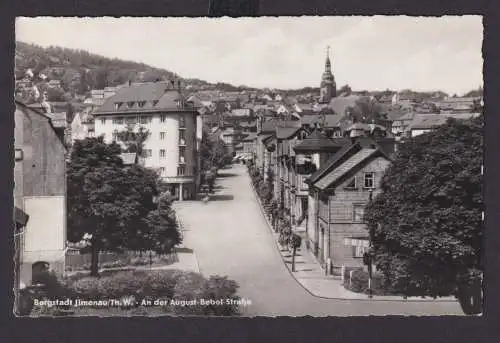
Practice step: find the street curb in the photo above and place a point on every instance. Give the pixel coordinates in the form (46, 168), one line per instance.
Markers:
(254, 191)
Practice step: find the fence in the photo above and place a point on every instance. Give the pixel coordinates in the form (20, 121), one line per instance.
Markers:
(76, 260)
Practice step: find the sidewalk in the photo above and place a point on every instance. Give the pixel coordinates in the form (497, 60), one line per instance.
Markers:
(311, 276)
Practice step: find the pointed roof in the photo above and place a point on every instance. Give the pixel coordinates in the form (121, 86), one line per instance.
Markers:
(316, 141)
(346, 152)
(343, 168)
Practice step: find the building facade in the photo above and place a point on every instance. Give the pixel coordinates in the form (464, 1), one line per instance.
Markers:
(173, 125)
(39, 193)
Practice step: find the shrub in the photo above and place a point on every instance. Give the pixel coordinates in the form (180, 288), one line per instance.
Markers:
(359, 283)
(194, 287)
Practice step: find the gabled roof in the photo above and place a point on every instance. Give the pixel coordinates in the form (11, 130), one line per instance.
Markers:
(347, 148)
(331, 120)
(316, 141)
(336, 174)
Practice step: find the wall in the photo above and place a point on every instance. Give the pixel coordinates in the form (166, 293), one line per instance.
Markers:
(40, 190)
(342, 224)
(44, 165)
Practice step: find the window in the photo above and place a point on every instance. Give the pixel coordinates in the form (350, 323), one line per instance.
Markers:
(162, 118)
(162, 135)
(131, 120)
(358, 212)
(182, 154)
(162, 153)
(141, 103)
(103, 121)
(182, 137)
(182, 122)
(369, 180)
(118, 120)
(181, 170)
(131, 104)
(115, 136)
(351, 184)
(155, 102)
(148, 152)
(162, 170)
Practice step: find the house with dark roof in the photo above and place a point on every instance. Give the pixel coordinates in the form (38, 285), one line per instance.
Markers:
(174, 126)
(39, 194)
(338, 193)
(422, 123)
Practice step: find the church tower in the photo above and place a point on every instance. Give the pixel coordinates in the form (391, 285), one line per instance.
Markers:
(328, 88)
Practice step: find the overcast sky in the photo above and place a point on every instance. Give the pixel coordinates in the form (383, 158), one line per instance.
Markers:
(372, 53)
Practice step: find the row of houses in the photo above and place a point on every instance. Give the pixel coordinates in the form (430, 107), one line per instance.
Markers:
(324, 181)
(325, 170)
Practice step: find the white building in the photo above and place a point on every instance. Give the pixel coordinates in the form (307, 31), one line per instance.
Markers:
(173, 124)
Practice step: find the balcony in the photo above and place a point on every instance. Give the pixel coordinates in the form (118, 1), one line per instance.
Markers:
(182, 160)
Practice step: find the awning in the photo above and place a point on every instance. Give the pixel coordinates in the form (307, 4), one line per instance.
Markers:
(20, 216)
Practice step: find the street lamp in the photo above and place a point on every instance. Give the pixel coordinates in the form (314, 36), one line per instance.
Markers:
(370, 237)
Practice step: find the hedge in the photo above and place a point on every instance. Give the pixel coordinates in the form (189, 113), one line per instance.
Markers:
(152, 285)
(359, 283)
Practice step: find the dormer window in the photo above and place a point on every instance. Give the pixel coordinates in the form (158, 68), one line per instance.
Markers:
(118, 105)
(155, 102)
(141, 103)
(131, 104)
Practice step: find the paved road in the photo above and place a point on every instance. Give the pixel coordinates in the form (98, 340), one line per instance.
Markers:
(230, 237)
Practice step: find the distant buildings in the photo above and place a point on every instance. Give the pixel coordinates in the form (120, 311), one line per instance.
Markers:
(39, 193)
(174, 127)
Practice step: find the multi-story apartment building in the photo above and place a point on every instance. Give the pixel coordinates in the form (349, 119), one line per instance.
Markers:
(174, 127)
(39, 194)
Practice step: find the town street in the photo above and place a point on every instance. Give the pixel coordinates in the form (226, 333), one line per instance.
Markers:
(230, 237)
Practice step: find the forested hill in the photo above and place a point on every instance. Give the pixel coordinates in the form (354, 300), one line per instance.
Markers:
(68, 66)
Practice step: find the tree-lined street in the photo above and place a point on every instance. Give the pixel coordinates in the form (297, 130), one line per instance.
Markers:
(230, 237)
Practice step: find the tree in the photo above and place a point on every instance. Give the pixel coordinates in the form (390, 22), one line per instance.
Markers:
(426, 222)
(107, 200)
(295, 242)
(163, 230)
(133, 139)
(367, 110)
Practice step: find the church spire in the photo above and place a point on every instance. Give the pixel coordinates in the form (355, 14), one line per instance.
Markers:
(328, 64)
(327, 86)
